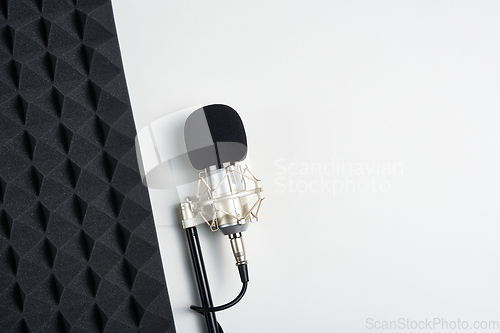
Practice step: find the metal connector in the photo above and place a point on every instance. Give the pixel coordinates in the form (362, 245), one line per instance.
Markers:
(238, 248)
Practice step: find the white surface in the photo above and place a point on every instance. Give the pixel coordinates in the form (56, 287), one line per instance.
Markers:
(161, 147)
(397, 98)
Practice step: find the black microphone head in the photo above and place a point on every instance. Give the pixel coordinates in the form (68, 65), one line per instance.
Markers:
(215, 135)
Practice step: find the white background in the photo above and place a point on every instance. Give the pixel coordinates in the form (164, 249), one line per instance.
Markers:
(405, 93)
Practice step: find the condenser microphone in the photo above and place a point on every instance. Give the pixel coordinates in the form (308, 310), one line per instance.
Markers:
(216, 141)
(228, 196)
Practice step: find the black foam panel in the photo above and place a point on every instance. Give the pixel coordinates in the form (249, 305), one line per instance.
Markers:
(78, 247)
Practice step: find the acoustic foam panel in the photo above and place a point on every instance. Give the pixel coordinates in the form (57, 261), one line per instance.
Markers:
(78, 247)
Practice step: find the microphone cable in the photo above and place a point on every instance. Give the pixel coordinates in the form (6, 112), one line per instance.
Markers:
(243, 270)
(207, 309)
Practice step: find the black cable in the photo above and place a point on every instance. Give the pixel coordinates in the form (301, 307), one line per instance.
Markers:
(201, 277)
(243, 269)
(222, 307)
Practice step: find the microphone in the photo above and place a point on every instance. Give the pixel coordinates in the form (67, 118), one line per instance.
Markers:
(216, 142)
(228, 196)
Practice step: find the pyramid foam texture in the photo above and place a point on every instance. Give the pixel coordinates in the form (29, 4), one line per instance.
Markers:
(78, 246)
